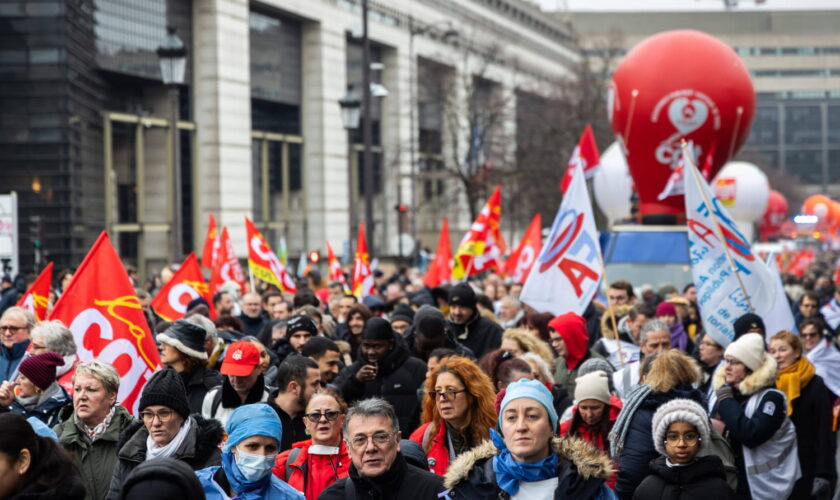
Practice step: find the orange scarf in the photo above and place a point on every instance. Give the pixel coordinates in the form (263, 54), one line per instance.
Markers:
(793, 379)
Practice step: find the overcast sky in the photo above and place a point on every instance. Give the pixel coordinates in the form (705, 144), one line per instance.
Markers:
(670, 5)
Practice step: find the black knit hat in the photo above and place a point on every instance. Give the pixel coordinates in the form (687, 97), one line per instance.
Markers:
(746, 322)
(377, 329)
(167, 477)
(186, 337)
(300, 322)
(166, 388)
(403, 313)
(462, 295)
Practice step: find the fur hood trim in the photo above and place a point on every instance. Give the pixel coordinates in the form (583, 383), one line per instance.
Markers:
(765, 376)
(589, 461)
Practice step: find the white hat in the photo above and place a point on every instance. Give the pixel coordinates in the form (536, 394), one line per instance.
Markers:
(679, 410)
(593, 385)
(748, 349)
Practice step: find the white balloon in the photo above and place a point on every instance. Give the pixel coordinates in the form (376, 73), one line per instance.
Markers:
(612, 184)
(743, 189)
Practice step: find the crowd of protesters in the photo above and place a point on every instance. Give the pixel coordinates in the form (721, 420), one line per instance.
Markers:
(460, 391)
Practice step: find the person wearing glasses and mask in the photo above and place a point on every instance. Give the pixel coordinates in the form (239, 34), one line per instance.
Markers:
(166, 429)
(312, 465)
(457, 410)
(372, 435)
(250, 451)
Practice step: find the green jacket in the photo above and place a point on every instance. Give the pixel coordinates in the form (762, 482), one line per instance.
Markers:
(565, 377)
(96, 461)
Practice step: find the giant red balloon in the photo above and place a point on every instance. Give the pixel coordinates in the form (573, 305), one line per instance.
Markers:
(678, 85)
(774, 215)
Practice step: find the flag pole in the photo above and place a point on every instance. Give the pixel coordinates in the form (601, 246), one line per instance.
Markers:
(251, 279)
(718, 231)
(611, 310)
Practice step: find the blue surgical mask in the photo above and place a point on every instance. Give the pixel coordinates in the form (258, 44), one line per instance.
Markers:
(255, 467)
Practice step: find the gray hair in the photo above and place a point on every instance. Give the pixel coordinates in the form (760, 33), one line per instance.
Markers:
(102, 372)
(56, 337)
(26, 313)
(512, 300)
(542, 366)
(653, 325)
(371, 407)
(204, 322)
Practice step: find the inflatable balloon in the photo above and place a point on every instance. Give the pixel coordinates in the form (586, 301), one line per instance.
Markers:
(819, 205)
(774, 215)
(672, 86)
(743, 189)
(612, 185)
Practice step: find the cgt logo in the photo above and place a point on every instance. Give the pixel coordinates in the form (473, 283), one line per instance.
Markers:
(572, 250)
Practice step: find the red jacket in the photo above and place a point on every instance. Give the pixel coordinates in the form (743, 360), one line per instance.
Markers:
(438, 455)
(311, 474)
(586, 434)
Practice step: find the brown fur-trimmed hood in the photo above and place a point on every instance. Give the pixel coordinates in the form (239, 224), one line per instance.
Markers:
(589, 461)
(765, 376)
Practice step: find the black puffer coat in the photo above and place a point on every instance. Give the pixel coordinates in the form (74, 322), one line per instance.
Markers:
(703, 479)
(479, 334)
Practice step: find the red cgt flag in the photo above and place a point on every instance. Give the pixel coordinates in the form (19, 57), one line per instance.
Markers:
(107, 321)
(211, 244)
(520, 262)
(336, 274)
(37, 297)
(186, 285)
(585, 156)
(440, 270)
(227, 266)
(363, 284)
(263, 262)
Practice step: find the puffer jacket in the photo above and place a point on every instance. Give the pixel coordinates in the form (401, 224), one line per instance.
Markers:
(311, 474)
(702, 479)
(199, 450)
(398, 378)
(585, 433)
(96, 460)
(581, 473)
(48, 407)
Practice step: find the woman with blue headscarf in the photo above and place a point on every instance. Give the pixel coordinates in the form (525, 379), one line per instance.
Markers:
(527, 460)
(254, 433)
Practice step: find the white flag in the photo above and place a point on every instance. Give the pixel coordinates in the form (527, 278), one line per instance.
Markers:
(566, 274)
(719, 293)
(780, 316)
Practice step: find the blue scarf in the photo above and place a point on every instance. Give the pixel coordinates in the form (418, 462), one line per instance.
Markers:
(237, 481)
(509, 472)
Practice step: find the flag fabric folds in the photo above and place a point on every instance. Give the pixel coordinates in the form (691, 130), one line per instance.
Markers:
(520, 262)
(482, 246)
(336, 273)
(186, 284)
(227, 266)
(37, 296)
(263, 262)
(363, 284)
(107, 320)
(584, 156)
(211, 244)
(440, 270)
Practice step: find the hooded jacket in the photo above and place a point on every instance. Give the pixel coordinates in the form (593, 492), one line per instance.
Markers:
(96, 461)
(397, 379)
(311, 474)
(700, 480)
(200, 449)
(449, 341)
(581, 472)
(479, 334)
(587, 434)
(572, 328)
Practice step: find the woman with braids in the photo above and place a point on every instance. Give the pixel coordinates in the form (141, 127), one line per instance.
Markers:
(457, 412)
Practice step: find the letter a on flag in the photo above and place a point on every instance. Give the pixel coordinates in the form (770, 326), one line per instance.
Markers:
(439, 270)
(107, 321)
(336, 274)
(566, 274)
(363, 284)
(227, 266)
(520, 262)
(37, 297)
(186, 284)
(211, 244)
(264, 263)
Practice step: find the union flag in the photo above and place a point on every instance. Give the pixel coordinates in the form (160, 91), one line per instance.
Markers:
(584, 156)
(226, 267)
(363, 284)
(336, 273)
(186, 284)
(37, 297)
(263, 262)
(211, 244)
(520, 262)
(482, 246)
(107, 320)
(439, 270)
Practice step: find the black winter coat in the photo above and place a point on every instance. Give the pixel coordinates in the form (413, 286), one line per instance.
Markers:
(449, 342)
(398, 377)
(479, 334)
(198, 382)
(638, 450)
(253, 326)
(402, 481)
(199, 450)
(703, 479)
(816, 443)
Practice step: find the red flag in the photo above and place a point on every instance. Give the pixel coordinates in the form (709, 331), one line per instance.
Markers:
(522, 259)
(107, 320)
(37, 297)
(440, 270)
(186, 284)
(227, 266)
(585, 155)
(709, 162)
(481, 248)
(211, 244)
(263, 262)
(363, 284)
(336, 274)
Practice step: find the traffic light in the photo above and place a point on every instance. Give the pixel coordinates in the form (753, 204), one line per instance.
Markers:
(314, 256)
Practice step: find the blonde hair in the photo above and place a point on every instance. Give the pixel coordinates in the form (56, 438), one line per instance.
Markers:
(102, 372)
(543, 367)
(606, 320)
(529, 343)
(670, 369)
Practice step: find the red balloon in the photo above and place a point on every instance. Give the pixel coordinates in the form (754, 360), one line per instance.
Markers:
(678, 85)
(774, 215)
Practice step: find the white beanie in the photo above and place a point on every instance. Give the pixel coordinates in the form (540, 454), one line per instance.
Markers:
(748, 349)
(679, 410)
(593, 385)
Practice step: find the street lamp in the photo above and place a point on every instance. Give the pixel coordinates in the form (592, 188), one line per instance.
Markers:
(172, 55)
(351, 114)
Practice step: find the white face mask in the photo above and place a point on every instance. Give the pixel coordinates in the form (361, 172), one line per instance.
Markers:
(255, 467)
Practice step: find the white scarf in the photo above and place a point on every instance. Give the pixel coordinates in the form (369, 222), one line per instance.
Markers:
(831, 313)
(168, 450)
(826, 360)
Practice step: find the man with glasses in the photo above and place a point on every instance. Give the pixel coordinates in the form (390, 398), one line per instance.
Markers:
(15, 325)
(298, 378)
(809, 308)
(372, 435)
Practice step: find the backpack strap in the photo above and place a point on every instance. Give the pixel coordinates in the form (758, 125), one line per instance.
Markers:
(217, 401)
(293, 455)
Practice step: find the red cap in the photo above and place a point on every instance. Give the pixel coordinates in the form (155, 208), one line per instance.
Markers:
(240, 359)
